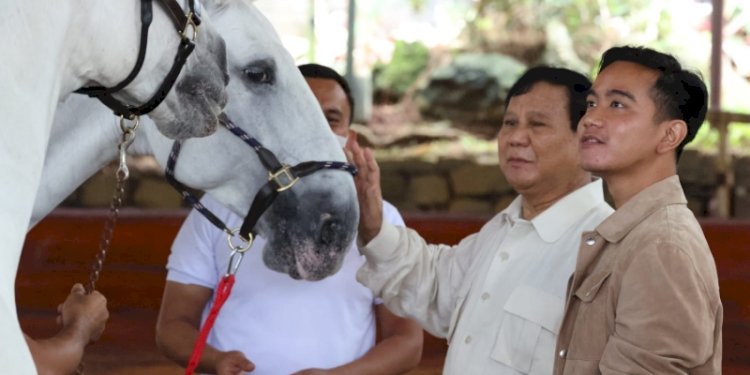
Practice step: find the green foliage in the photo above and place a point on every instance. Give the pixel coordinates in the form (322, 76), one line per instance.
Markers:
(707, 139)
(593, 25)
(417, 5)
(739, 138)
(407, 61)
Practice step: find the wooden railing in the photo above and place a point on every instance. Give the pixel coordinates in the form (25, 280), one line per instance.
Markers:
(59, 250)
(721, 121)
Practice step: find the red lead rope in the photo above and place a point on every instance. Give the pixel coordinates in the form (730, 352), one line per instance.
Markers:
(222, 293)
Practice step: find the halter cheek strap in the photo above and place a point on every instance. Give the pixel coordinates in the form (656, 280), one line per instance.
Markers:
(182, 22)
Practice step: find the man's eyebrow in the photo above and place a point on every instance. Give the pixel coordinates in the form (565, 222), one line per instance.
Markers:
(618, 92)
(613, 92)
(539, 114)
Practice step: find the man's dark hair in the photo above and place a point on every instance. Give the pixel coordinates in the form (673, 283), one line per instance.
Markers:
(576, 85)
(678, 93)
(324, 72)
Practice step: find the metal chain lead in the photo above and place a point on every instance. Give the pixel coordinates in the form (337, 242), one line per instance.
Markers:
(122, 174)
(107, 233)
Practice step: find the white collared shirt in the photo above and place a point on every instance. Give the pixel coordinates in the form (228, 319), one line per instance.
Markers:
(498, 296)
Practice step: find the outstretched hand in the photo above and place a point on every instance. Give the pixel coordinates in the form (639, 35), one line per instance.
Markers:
(367, 182)
(233, 363)
(83, 315)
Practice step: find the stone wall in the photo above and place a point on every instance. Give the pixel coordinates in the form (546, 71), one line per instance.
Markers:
(445, 185)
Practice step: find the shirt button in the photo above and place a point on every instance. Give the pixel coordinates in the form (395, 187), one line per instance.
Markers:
(485, 296)
(563, 353)
(468, 339)
(590, 241)
(504, 256)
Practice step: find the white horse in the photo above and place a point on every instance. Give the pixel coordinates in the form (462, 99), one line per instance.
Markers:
(270, 100)
(49, 50)
(308, 227)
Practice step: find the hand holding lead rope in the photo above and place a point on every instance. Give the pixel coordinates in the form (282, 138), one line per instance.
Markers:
(122, 174)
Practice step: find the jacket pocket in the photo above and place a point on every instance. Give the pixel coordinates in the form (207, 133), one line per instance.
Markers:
(531, 321)
(590, 287)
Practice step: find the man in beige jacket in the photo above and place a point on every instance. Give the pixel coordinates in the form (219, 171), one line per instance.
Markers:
(644, 298)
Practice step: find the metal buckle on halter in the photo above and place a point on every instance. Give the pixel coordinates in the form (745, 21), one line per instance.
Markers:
(238, 251)
(189, 23)
(284, 174)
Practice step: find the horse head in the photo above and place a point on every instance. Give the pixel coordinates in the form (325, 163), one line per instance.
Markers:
(310, 226)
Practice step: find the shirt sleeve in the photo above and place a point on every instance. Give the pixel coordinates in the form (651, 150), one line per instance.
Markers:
(192, 259)
(391, 215)
(665, 321)
(414, 279)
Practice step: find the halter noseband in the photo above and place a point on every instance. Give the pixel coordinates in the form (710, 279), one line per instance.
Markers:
(281, 177)
(182, 22)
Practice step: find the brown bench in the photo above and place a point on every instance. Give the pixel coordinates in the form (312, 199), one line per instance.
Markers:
(59, 251)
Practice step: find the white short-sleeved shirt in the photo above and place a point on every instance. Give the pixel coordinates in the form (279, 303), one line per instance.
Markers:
(281, 324)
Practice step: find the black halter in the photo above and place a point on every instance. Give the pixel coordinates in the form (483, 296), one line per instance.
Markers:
(182, 21)
(281, 177)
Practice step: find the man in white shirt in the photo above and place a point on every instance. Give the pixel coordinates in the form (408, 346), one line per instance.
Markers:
(271, 323)
(497, 296)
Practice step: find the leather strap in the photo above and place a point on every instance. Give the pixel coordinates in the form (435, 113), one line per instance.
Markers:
(177, 14)
(267, 193)
(147, 15)
(184, 50)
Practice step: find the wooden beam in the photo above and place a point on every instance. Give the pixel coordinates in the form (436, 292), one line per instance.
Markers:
(717, 26)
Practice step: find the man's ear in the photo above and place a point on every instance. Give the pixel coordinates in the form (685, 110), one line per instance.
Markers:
(674, 131)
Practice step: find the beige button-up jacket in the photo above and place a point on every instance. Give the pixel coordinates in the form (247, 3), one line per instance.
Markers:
(644, 298)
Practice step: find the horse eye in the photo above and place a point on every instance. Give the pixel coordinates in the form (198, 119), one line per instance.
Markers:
(258, 75)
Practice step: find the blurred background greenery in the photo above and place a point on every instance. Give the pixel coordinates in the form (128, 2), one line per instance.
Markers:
(399, 46)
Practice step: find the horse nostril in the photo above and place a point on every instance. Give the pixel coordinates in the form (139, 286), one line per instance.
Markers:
(329, 230)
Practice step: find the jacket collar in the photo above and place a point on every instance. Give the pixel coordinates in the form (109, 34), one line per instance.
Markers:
(661, 194)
